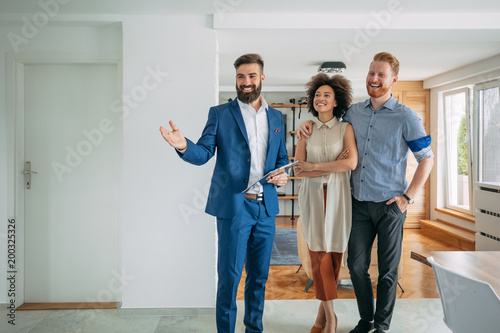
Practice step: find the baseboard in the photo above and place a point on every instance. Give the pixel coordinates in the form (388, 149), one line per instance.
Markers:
(114, 305)
(67, 306)
(167, 312)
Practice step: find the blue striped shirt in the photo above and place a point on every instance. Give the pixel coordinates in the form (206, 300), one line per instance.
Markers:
(383, 138)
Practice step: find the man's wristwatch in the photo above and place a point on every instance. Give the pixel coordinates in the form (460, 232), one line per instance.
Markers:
(410, 201)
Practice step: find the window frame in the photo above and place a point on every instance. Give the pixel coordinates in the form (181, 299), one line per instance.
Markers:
(477, 123)
(469, 125)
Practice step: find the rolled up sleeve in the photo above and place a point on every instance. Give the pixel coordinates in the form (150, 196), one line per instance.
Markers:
(423, 153)
(421, 148)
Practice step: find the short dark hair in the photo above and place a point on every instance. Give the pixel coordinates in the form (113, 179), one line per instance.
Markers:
(341, 87)
(250, 58)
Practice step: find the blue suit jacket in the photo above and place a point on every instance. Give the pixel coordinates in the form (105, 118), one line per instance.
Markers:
(225, 132)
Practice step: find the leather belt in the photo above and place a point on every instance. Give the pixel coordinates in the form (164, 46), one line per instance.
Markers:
(257, 197)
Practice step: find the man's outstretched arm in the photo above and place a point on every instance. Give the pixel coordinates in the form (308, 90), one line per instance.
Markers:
(175, 138)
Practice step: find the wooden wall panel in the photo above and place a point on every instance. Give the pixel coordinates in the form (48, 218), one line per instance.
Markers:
(412, 94)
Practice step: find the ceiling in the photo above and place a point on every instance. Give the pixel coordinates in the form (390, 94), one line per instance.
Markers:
(295, 36)
(164, 7)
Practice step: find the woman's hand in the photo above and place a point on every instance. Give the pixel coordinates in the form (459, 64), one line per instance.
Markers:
(303, 167)
(343, 154)
(305, 129)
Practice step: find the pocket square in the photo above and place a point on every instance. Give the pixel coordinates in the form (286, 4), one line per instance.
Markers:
(276, 131)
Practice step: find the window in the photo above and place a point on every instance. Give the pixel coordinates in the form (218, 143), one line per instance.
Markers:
(458, 175)
(488, 137)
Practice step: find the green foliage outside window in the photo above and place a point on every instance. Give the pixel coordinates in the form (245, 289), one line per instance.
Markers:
(463, 168)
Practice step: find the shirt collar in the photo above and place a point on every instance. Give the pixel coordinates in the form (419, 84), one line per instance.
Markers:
(247, 106)
(390, 104)
(330, 123)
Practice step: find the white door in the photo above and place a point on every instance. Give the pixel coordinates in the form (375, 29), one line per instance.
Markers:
(73, 142)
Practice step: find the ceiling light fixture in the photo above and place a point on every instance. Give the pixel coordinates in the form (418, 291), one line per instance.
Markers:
(332, 67)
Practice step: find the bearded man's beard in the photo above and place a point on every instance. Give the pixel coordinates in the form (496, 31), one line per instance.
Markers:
(248, 97)
(375, 93)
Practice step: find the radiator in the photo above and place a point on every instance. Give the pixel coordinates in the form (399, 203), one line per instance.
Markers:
(487, 217)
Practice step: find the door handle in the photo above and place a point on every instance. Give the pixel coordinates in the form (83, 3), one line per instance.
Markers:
(27, 174)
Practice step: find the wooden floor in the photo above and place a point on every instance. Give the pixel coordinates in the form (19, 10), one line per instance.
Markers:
(418, 279)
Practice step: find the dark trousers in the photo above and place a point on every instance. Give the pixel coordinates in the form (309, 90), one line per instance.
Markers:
(246, 239)
(370, 219)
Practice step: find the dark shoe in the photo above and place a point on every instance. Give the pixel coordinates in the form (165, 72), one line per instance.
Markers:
(363, 327)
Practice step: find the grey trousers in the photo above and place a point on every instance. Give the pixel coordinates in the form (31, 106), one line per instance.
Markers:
(370, 219)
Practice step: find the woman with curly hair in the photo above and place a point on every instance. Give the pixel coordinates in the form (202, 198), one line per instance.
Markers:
(325, 192)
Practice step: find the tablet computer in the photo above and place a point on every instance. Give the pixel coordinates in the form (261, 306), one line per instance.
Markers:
(274, 172)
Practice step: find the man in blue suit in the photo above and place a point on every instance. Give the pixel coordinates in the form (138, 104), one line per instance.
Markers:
(250, 141)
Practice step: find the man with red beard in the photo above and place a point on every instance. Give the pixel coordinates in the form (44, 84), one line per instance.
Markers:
(250, 142)
(384, 129)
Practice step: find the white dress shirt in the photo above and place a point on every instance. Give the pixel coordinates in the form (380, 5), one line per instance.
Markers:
(257, 127)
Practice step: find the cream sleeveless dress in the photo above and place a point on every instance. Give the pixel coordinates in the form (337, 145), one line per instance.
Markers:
(326, 230)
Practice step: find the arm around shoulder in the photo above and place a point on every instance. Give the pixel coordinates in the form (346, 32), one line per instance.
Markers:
(305, 129)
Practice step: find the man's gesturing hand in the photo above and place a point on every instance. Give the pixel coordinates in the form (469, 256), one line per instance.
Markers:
(175, 137)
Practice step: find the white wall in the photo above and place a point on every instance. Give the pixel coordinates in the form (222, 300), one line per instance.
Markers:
(168, 240)
(479, 72)
(101, 39)
(3, 169)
